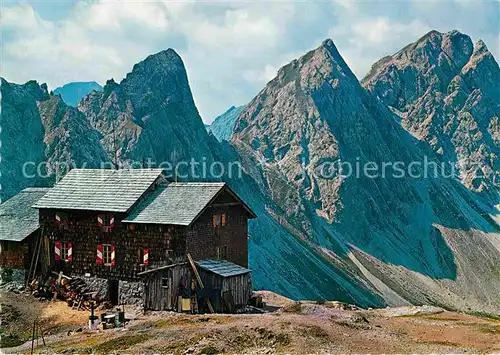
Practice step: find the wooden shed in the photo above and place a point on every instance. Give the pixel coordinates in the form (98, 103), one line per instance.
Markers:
(161, 286)
(226, 285)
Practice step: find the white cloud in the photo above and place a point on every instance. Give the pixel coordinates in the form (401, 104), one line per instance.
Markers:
(261, 76)
(110, 15)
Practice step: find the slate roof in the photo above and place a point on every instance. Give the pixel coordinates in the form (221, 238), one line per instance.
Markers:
(175, 203)
(99, 189)
(222, 268)
(17, 218)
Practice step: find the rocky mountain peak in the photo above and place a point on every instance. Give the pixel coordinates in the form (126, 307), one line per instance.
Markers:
(447, 92)
(159, 78)
(145, 114)
(428, 49)
(430, 62)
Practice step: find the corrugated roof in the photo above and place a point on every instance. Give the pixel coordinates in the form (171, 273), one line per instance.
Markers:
(175, 203)
(17, 218)
(99, 189)
(222, 268)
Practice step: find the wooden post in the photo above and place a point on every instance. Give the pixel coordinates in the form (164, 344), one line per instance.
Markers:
(200, 282)
(33, 337)
(41, 333)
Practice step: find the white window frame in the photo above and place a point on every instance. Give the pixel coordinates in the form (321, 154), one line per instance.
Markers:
(107, 250)
(64, 250)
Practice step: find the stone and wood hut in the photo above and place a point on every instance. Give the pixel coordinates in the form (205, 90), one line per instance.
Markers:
(113, 225)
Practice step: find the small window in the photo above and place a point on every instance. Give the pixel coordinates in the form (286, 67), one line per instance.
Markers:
(143, 254)
(106, 221)
(219, 220)
(222, 252)
(107, 254)
(64, 250)
(164, 282)
(62, 220)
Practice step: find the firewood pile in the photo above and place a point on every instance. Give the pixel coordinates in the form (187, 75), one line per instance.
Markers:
(73, 290)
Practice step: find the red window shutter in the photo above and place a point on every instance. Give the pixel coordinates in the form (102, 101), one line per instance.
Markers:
(70, 252)
(58, 219)
(112, 255)
(112, 222)
(223, 219)
(100, 220)
(146, 257)
(214, 221)
(99, 254)
(57, 250)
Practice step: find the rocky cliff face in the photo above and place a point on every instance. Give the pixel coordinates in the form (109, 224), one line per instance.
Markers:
(412, 239)
(447, 93)
(149, 115)
(69, 139)
(22, 135)
(41, 135)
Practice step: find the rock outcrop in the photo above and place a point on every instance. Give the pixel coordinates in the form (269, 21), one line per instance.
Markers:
(42, 137)
(150, 115)
(70, 141)
(447, 93)
(21, 135)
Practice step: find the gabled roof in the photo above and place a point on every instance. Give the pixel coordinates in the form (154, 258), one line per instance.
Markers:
(100, 189)
(222, 268)
(175, 203)
(17, 218)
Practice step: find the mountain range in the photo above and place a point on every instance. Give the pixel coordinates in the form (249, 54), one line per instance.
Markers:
(321, 233)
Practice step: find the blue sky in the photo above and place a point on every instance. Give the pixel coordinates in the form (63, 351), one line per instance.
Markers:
(230, 48)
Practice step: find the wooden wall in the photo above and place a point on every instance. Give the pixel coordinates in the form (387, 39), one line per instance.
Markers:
(239, 285)
(203, 239)
(156, 296)
(17, 255)
(85, 234)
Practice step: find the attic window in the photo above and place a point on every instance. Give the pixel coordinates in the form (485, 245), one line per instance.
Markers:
(222, 252)
(62, 220)
(106, 221)
(219, 220)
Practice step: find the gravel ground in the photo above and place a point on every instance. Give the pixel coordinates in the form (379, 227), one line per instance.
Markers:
(296, 328)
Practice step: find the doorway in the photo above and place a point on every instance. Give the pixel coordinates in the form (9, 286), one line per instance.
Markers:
(113, 291)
